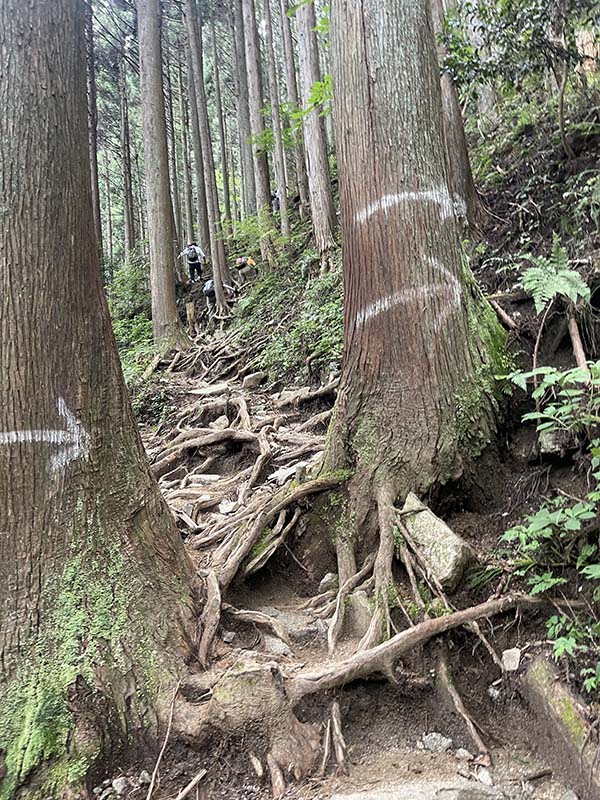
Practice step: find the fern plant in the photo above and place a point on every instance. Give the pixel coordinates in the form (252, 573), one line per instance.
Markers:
(551, 277)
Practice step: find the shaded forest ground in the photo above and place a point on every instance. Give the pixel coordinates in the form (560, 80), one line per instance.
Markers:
(289, 326)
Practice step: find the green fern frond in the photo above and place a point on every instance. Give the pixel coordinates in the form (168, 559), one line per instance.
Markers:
(551, 277)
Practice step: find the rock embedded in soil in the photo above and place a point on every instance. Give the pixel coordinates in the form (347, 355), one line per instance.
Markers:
(120, 785)
(253, 380)
(511, 659)
(329, 583)
(145, 778)
(447, 554)
(436, 742)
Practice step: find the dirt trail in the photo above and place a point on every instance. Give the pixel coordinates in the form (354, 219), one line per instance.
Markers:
(233, 445)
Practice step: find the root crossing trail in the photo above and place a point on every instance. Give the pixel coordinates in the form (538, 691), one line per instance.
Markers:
(239, 469)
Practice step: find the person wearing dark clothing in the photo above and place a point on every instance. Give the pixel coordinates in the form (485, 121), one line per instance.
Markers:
(195, 255)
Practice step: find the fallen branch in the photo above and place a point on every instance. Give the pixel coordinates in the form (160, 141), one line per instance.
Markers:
(505, 318)
(258, 618)
(191, 785)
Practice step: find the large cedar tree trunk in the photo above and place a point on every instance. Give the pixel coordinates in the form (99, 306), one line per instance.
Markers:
(96, 611)
(128, 204)
(416, 394)
(246, 158)
(315, 142)
(201, 209)
(93, 120)
(167, 328)
(221, 122)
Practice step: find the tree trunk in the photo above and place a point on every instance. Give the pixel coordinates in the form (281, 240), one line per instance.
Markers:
(241, 74)
(221, 123)
(96, 611)
(462, 186)
(128, 204)
(93, 121)
(140, 197)
(174, 166)
(201, 206)
(294, 102)
(185, 158)
(235, 214)
(416, 394)
(276, 119)
(217, 247)
(255, 103)
(109, 230)
(168, 331)
(315, 143)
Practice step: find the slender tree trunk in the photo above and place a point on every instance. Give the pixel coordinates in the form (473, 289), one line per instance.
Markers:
(241, 75)
(128, 204)
(201, 206)
(221, 123)
(315, 143)
(173, 162)
(255, 103)
(416, 395)
(166, 324)
(217, 247)
(462, 185)
(96, 611)
(140, 197)
(276, 119)
(93, 121)
(235, 214)
(108, 216)
(185, 157)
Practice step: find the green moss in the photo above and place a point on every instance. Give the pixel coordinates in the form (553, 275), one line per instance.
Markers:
(90, 624)
(571, 719)
(263, 542)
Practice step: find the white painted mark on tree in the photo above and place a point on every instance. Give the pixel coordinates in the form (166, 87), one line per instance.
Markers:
(73, 442)
(448, 204)
(448, 288)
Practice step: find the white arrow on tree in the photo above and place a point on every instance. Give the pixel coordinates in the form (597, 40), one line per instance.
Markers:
(73, 442)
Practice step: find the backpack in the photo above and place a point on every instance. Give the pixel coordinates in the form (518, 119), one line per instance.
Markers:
(208, 289)
(192, 255)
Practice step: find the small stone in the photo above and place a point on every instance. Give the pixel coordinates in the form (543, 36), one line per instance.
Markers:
(253, 380)
(569, 795)
(329, 583)
(120, 785)
(97, 790)
(145, 778)
(493, 692)
(257, 765)
(485, 776)
(511, 659)
(228, 636)
(220, 423)
(436, 742)
(275, 646)
(227, 506)
(464, 755)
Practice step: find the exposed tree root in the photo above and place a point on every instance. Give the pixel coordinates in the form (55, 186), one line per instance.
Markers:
(347, 587)
(210, 617)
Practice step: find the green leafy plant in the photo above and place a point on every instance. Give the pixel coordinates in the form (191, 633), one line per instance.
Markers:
(552, 277)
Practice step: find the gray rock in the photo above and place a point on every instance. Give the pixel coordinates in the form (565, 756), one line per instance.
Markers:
(329, 583)
(97, 790)
(275, 646)
(253, 380)
(464, 755)
(145, 778)
(301, 627)
(228, 636)
(436, 742)
(220, 423)
(485, 776)
(569, 795)
(120, 785)
(511, 659)
(447, 553)
(556, 443)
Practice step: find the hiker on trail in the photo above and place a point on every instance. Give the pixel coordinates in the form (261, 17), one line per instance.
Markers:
(246, 268)
(275, 203)
(194, 255)
(209, 291)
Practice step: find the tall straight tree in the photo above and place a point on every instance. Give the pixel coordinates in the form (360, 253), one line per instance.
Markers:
(462, 184)
(128, 203)
(315, 141)
(172, 149)
(416, 394)
(166, 324)
(93, 120)
(185, 156)
(96, 610)
(220, 122)
(255, 103)
(217, 246)
(201, 208)
(276, 119)
(291, 83)
(243, 111)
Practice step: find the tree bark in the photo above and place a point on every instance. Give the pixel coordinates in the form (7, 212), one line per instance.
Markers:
(416, 395)
(221, 123)
(457, 151)
(246, 158)
(315, 143)
(173, 161)
(201, 207)
(185, 158)
(108, 217)
(294, 102)
(93, 121)
(128, 204)
(276, 120)
(168, 331)
(255, 103)
(96, 610)
(217, 247)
